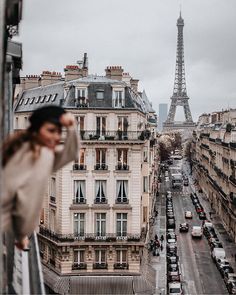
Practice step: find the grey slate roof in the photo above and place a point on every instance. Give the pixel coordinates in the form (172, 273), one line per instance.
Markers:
(26, 103)
(147, 103)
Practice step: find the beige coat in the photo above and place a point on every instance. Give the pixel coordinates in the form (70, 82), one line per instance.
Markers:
(25, 181)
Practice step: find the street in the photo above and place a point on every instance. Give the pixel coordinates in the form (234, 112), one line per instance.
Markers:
(199, 274)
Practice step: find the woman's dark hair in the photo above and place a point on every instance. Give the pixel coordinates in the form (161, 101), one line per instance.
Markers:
(15, 142)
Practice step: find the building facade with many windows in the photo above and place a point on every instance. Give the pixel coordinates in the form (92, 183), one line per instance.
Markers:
(96, 211)
(214, 163)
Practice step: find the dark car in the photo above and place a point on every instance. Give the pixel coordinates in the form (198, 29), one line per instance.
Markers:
(202, 215)
(199, 208)
(195, 201)
(170, 223)
(226, 269)
(170, 214)
(231, 286)
(172, 258)
(211, 234)
(172, 267)
(215, 245)
(183, 227)
(171, 235)
(171, 249)
(173, 276)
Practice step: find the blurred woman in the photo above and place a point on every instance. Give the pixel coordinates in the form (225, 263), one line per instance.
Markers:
(29, 158)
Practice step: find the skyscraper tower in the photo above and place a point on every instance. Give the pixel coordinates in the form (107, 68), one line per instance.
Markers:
(179, 97)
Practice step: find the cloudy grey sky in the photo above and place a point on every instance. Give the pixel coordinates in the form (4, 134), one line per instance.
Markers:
(139, 35)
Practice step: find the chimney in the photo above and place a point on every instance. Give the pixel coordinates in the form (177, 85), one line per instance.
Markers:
(134, 84)
(30, 81)
(48, 78)
(73, 72)
(114, 72)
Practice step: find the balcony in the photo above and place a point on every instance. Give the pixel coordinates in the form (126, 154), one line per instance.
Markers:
(122, 265)
(101, 265)
(79, 201)
(115, 135)
(78, 266)
(53, 199)
(82, 102)
(102, 166)
(225, 144)
(122, 167)
(122, 201)
(77, 167)
(109, 237)
(100, 201)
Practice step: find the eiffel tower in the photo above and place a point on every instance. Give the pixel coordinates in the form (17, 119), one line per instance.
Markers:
(179, 97)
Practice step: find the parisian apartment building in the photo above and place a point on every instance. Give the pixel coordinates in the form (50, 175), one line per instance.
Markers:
(95, 217)
(214, 163)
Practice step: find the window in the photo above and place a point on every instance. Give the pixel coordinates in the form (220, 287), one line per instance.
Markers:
(145, 155)
(48, 98)
(101, 126)
(16, 123)
(54, 97)
(80, 121)
(121, 256)
(79, 191)
(100, 224)
(122, 190)
(145, 184)
(52, 220)
(53, 190)
(145, 214)
(38, 99)
(122, 155)
(100, 256)
(79, 224)
(79, 256)
(118, 100)
(80, 93)
(43, 98)
(32, 100)
(121, 224)
(100, 188)
(123, 127)
(100, 94)
(27, 100)
(26, 122)
(100, 156)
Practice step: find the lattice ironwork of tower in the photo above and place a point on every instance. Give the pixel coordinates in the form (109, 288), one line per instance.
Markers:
(179, 97)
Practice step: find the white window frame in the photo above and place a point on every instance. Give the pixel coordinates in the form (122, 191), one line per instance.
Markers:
(100, 226)
(79, 224)
(122, 219)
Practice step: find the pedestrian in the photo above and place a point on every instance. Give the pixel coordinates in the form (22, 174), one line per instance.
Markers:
(210, 214)
(156, 237)
(156, 213)
(162, 238)
(161, 247)
(29, 158)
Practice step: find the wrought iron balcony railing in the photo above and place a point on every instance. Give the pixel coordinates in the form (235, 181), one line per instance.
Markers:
(122, 167)
(122, 265)
(122, 201)
(79, 167)
(109, 237)
(100, 201)
(101, 265)
(232, 145)
(102, 166)
(232, 180)
(77, 266)
(79, 201)
(115, 135)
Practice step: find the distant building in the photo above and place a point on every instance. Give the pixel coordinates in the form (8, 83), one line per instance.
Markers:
(96, 211)
(163, 110)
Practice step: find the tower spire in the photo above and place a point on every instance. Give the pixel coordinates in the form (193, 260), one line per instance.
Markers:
(179, 96)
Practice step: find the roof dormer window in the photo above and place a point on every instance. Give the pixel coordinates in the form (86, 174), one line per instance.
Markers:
(38, 99)
(27, 100)
(54, 97)
(80, 92)
(48, 98)
(43, 98)
(118, 98)
(21, 101)
(32, 100)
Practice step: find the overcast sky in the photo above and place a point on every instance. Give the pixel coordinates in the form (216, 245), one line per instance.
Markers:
(139, 35)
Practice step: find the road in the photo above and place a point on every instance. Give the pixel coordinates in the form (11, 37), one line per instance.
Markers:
(199, 273)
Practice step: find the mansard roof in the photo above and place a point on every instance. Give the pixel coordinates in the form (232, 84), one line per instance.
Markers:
(147, 103)
(54, 94)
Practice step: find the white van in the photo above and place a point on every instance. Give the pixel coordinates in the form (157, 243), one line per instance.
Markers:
(196, 231)
(218, 253)
(175, 288)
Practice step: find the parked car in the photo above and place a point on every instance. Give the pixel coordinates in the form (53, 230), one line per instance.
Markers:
(188, 214)
(170, 214)
(171, 235)
(175, 288)
(231, 286)
(199, 208)
(183, 227)
(218, 253)
(185, 182)
(172, 267)
(172, 258)
(221, 261)
(202, 215)
(171, 249)
(173, 276)
(215, 244)
(170, 223)
(195, 201)
(226, 269)
(230, 277)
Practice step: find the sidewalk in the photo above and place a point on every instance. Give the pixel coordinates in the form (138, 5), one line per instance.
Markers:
(228, 244)
(159, 262)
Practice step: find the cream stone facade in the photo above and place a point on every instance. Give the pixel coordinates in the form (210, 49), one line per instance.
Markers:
(95, 218)
(214, 163)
